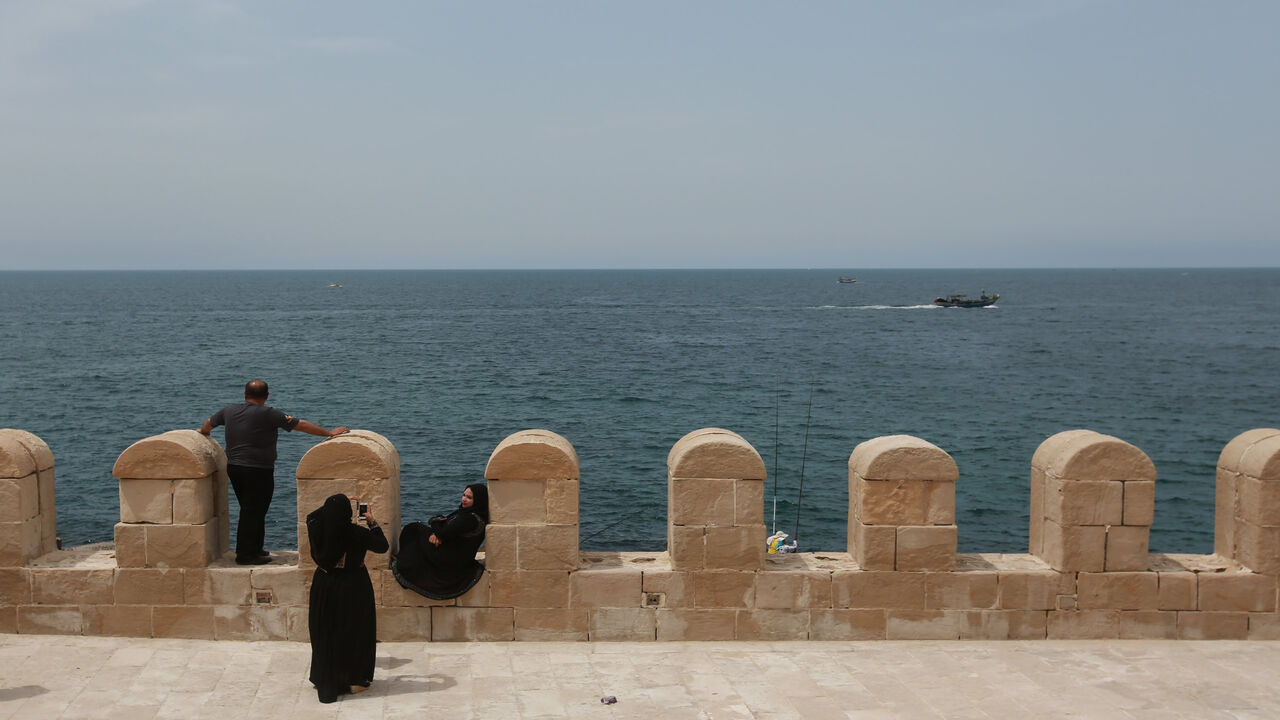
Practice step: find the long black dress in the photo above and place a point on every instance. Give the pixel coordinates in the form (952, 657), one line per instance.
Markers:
(449, 569)
(342, 618)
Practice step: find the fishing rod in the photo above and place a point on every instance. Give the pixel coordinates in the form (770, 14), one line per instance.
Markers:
(776, 415)
(795, 537)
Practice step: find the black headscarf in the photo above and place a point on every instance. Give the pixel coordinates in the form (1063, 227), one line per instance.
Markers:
(479, 500)
(329, 529)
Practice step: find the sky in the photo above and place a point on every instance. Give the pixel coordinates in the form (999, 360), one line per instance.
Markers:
(210, 134)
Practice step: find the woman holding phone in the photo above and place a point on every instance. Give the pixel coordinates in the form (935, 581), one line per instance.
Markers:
(342, 617)
(438, 559)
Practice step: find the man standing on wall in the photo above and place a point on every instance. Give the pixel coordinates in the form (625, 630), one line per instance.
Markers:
(252, 429)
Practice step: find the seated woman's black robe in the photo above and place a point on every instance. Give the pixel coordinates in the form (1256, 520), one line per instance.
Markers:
(342, 618)
(442, 571)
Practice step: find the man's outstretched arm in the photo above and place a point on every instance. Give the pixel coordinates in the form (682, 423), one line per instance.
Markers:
(311, 428)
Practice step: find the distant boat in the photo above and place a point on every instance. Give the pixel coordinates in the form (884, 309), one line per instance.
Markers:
(335, 284)
(847, 279)
(964, 301)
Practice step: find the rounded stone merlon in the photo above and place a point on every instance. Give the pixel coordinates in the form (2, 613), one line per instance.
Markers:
(172, 455)
(39, 450)
(1232, 454)
(1092, 456)
(1262, 460)
(902, 457)
(714, 453)
(357, 455)
(533, 455)
(15, 460)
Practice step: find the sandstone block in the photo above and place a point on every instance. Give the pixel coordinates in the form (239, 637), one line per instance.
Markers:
(605, 588)
(714, 453)
(623, 624)
(726, 589)
(1257, 547)
(50, 620)
(1139, 503)
(218, 586)
(772, 625)
(532, 455)
(1264, 626)
(39, 452)
(1149, 625)
(72, 586)
(12, 544)
(687, 547)
(15, 586)
(562, 501)
(287, 584)
(8, 619)
(131, 545)
(404, 624)
(904, 502)
(360, 455)
(193, 501)
(1177, 591)
(699, 501)
(518, 502)
(1127, 548)
(929, 547)
(147, 586)
(1035, 535)
(1032, 589)
(547, 547)
(845, 624)
(873, 547)
(1233, 453)
(146, 501)
(735, 548)
(960, 590)
(297, 619)
(1213, 625)
(184, 546)
(748, 502)
(902, 457)
(1084, 624)
(1258, 501)
(1117, 591)
(171, 455)
(19, 498)
(925, 624)
(1262, 460)
(792, 590)
(500, 547)
(1004, 625)
(1084, 502)
(552, 624)
(1080, 548)
(1244, 592)
(118, 620)
(1224, 507)
(1093, 457)
(530, 588)
(15, 460)
(259, 622)
(674, 587)
(478, 596)
(393, 595)
(183, 621)
(463, 624)
(678, 624)
(876, 589)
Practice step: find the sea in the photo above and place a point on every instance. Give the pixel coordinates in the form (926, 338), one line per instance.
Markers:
(446, 364)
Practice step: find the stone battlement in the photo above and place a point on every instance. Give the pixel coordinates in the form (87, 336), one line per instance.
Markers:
(1088, 573)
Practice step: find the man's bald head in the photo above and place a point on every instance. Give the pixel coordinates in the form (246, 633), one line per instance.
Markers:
(255, 390)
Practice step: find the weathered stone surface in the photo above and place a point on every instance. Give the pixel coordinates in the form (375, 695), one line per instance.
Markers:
(901, 457)
(529, 588)
(131, 545)
(562, 501)
(677, 624)
(1264, 626)
(547, 547)
(725, 589)
(15, 586)
(72, 586)
(701, 501)
(146, 586)
(40, 453)
(960, 590)
(1032, 589)
(50, 620)
(184, 546)
(183, 621)
(925, 624)
(845, 624)
(1127, 548)
(798, 590)
(146, 501)
(1084, 624)
(1148, 625)
(1213, 625)
(355, 455)
(875, 589)
(501, 547)
(250, 623)
(1257, 547)
(1093, 456)
(1117, 591)
(1262, 460)
(1233, 453)
(1177, 590)
(714, 453)
(11, 545)
(1084, 502)
(552, 624)
(1257, 501)
(1004, 625)
(623, 624)
(169, 456)
(462, 624)
(192, 501)
(287, 584)
(873, 547)
(772, 625)
(118, 620)
(928, 547)
(1224, 513)
(687, 546)
(605, 588)
(218, 586)
(1079, 548)
(748, 502)
(904, 502)
(518, 502)
(1237, 591)
(1139, 503)
(404, 624)
(532, 455)
(674, 588)
(15, 460)
(19, 498)
(735, 548)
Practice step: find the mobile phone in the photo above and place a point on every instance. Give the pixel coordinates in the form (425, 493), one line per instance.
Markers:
(361, 509)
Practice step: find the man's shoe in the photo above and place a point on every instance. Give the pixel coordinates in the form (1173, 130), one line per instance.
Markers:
(255, 560)
(263, 553)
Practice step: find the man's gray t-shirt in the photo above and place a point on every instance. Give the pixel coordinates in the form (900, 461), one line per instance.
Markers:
(251, 432)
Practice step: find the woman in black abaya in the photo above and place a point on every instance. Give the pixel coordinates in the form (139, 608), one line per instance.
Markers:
(342, 618)
(438, 559)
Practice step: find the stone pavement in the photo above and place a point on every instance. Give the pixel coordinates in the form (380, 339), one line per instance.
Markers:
(98, 677)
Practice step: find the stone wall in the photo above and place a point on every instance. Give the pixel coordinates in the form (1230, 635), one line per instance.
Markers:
(1088, 573)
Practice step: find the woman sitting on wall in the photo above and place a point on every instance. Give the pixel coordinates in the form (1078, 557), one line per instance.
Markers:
(342, 618)
(438, 559)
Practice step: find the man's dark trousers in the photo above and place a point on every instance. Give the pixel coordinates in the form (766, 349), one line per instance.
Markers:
(253, 487)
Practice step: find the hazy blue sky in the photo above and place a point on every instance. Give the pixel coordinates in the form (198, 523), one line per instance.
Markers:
(305, 134)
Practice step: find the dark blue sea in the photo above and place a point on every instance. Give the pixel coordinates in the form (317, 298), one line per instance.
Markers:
(623, 363)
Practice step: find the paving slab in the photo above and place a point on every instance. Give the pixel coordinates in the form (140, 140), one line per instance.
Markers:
(57, 676)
